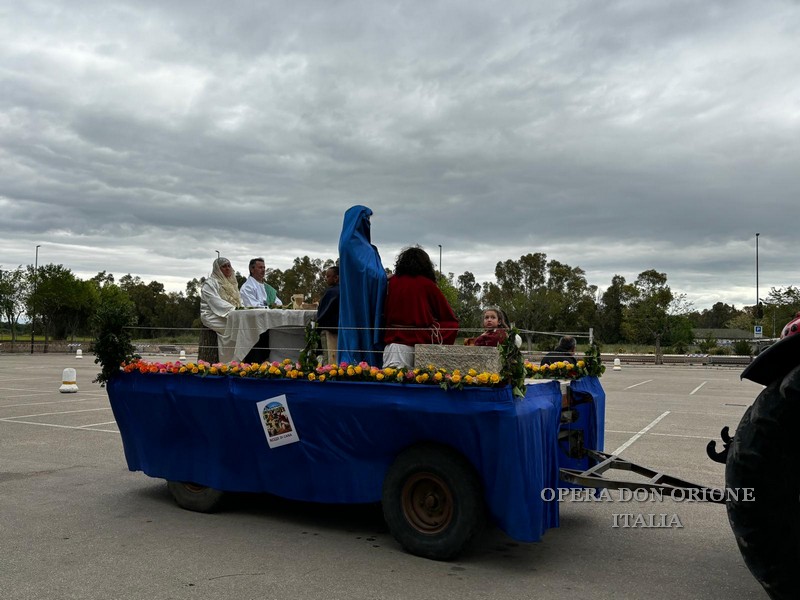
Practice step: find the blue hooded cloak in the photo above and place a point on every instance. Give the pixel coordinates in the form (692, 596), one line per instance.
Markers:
(362, 291)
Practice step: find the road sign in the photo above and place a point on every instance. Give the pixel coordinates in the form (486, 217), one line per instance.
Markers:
(758, 331)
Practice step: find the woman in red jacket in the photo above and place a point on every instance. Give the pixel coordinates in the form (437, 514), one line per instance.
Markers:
(416, 310)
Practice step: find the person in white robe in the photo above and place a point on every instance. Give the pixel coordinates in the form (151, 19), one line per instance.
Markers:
(219, 296)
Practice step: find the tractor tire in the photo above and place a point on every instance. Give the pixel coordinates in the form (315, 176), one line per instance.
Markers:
(764, 456)
(433, 501)
(192, 496)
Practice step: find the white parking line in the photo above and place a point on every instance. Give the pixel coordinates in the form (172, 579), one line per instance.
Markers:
(63, 412)
(639, 434)
(96, 424)
(52, 402)
(54, 425)
(638, 384)
(692, 393)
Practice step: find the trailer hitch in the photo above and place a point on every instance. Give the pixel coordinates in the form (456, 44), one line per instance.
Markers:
(711, 447)
(665, 485)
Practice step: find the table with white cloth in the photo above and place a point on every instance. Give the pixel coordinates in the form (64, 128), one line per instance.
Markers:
(286, 330)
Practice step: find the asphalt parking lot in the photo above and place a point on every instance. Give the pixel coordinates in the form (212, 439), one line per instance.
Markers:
(75, 523)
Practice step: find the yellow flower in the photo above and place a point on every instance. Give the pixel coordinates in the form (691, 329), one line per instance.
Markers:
(380, 376)
(358, 370)
(438, 376)
(455, 378)
(389, 371)
(483, 378)
(224, 368)
(431, 368)
(495, 378)
(287, 361)
(213, 370)
(263, 368)
(312, 376)
(350, 371)
(182, 370)
(553, 366)
(242, 373)
(195, 370)
(581, 364)
(322, 377)
(190, 365)
(472, 372)
(535, 368)
(457, 372)
(468, 378)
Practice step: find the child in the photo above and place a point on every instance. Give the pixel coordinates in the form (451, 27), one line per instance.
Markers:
(495, 325)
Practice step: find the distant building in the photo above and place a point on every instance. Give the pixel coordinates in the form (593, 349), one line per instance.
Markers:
(724, 337)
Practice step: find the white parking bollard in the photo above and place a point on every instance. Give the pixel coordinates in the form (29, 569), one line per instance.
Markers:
(79, 353)
(183, 355)
(617, 365)
(69, 382)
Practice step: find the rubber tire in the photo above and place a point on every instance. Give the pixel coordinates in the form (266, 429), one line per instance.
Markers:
(765, 456)
(195, 497)
(430, 466)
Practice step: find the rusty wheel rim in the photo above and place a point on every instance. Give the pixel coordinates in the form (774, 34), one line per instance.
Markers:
(427, 503)
(194, 488)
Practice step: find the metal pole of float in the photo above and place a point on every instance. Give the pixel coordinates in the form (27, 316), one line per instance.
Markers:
(440, 259)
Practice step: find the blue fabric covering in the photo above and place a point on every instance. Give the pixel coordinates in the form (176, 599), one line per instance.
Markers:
(591, 397)
(362, 291)
(208, 430)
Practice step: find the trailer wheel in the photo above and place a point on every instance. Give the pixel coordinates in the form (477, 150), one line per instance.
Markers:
(433, 501)
(192, 496)
(764, 456)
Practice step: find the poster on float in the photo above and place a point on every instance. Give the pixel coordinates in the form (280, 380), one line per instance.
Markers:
(276, 419)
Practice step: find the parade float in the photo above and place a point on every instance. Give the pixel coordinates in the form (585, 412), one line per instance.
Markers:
(444, 451)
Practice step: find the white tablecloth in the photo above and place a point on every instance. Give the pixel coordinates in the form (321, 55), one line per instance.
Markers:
(287, 328)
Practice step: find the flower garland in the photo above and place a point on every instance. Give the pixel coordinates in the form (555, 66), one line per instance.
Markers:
(354, 372)
(590, 365)
(341, 372)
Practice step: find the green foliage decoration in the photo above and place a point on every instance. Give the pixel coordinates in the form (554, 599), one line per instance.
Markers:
(112, 341)
(512, 367)
(308, 356)
(594, 364)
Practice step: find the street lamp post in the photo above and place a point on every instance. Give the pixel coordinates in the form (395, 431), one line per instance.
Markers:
(35, 286)
(758, 303)
(440, 259)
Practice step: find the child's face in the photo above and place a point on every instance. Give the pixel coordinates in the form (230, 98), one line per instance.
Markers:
(490, 320)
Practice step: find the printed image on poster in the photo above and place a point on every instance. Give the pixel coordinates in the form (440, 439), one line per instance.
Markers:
(277, 421)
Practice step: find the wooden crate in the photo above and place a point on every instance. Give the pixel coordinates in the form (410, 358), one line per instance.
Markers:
(463, 358)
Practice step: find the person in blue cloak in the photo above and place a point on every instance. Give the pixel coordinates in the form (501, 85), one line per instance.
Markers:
(362, 291)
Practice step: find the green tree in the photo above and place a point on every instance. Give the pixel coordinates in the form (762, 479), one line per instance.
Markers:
(55, 295)
(468, 303)
(149, 300)
(13, 289)
(781, 305)
(612, 307)
(646, 319)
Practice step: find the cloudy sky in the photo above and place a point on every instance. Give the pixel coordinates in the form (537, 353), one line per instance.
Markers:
(618, 136)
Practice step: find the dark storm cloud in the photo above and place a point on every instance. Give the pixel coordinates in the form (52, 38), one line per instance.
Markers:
(617, 136)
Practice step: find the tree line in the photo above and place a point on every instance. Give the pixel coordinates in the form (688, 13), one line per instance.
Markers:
(537, 294)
